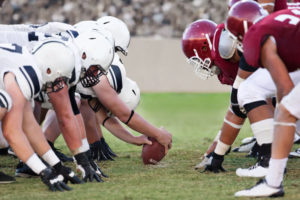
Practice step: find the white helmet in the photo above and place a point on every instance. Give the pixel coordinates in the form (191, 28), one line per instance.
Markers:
(55, 60)
(84, 26)
(119, 30)
(89, 25)
(130, 94)
(96, 53)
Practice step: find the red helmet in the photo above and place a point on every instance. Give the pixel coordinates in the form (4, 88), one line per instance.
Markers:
(197, 45)
(242, 15)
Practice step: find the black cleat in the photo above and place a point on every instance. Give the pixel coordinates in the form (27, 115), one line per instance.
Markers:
(6, 179)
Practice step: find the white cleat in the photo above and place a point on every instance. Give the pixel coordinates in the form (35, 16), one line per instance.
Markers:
(261, 189)
(295, 154)
(206, 161)
(256, 171)
(246, 146)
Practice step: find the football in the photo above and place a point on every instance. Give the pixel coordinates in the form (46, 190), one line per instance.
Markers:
(154, 153)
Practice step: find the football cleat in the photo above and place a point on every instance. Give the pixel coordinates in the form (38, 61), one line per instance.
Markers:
(261, 189)
(295, 154)
(246, 146)
(24, 171)
(258, 170)
(297, 139)
(6, 179)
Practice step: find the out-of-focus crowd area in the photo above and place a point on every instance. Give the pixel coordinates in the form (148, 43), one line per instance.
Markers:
(158, 18)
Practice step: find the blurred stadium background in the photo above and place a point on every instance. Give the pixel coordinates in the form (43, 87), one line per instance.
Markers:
(155, 59)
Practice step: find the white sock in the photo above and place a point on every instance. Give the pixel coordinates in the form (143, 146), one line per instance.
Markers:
(263, 131)
(35, 164)
(50, 158)
(275, 172)
(221, 148)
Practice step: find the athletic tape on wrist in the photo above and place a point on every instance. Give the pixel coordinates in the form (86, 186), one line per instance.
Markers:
(131, 114)
(232, 124)
(237, 82)
(84, 147)
(35, 164)
(51, 158)
(221, 148)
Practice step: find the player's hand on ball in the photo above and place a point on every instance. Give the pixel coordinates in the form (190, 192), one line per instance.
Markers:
(140, 140)
(53, 181)
(216, 164)
(165, 138)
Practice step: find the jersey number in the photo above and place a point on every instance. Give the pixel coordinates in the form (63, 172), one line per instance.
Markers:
(11, 47)
(293, 20)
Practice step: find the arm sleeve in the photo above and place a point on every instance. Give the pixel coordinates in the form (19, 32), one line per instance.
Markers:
(73, 100)
(245, 66)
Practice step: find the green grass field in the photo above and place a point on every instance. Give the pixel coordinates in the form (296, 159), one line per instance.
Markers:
(194, 120)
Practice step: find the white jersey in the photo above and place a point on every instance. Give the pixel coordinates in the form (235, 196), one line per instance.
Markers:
(50, 27)
(116, 76)
(28, 39)
(17, 60)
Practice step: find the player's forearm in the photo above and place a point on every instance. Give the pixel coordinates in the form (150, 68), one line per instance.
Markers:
(140, 125)
(71, 133)
(113, 126)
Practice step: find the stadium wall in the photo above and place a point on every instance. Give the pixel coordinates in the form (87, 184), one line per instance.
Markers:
(158, 65)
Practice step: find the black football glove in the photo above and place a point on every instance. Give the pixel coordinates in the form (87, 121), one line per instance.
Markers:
(83, 164)
(216, 164)
(67, 173)
(94, 164)
(101, 151)
(103, 142)
(53, 181)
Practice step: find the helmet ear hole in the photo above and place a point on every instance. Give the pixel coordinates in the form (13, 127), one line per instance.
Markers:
(83, 56)
(48, 71)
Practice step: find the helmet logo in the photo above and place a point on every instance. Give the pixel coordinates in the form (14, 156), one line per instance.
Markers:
(83, 56)
(48, 71)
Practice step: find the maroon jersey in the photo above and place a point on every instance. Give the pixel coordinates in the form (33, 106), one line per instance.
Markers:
(228, 69)
(284, 26)
(280, 5)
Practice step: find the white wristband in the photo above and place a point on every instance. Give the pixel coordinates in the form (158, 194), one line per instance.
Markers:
(84, 147)
(35, 164)
(51, 158)
(221, 148)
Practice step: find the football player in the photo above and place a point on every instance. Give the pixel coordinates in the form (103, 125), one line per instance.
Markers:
(115, 80)
(23, 79)
(88, 74)
(265, 45)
